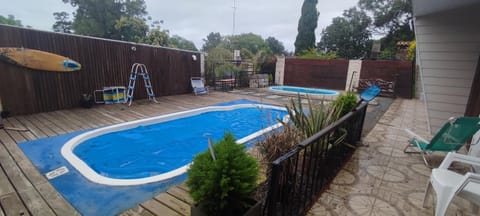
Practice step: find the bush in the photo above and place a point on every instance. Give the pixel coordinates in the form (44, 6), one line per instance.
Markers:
(318, 116)
(345, 102)
(271, 148)
(411, 51)
(221, 186)
(387, 54)
(313, 54)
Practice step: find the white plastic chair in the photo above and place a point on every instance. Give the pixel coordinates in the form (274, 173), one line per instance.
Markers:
(447, 184)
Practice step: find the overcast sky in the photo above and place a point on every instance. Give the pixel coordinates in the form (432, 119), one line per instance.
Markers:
(194, 19)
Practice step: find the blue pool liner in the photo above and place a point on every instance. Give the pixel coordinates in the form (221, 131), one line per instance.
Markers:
(90, 198)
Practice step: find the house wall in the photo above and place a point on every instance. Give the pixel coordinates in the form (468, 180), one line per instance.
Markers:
(448, 45)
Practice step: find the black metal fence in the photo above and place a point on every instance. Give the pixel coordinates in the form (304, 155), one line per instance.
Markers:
(299, 177)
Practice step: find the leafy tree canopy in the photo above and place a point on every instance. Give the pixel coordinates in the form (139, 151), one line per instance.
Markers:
(157, 37)
(212, 41)
(131, 29)
(249, 41)
(181, 43)
(388, 14)
(306, 26)
(99, 18)
(348, 35)
(392, 19)
(117, 19)
(275, 46)
(10, 20)
(63, 23)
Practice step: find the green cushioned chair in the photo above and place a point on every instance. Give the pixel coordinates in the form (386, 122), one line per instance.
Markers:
(451, 137)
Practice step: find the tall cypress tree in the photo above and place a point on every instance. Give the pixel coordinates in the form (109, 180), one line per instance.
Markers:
(306, 26)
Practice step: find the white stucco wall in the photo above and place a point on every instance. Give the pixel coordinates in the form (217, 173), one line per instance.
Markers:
(448, 46)
(279, 70)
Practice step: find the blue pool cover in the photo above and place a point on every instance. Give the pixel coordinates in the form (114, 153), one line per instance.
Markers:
(155, 149)
(303, 90)
(87, 197)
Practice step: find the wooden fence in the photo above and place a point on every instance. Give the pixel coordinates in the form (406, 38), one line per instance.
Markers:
(332, 74)
(104, 63)
(328, 74)
(399, 72)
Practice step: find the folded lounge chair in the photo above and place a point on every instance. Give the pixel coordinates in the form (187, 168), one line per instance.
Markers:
(451, 137)
(198, 86)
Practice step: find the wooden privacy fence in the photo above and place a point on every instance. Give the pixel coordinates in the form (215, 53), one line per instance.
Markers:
(399, 72)
(328, 74)
(332, 74)
(104, 63)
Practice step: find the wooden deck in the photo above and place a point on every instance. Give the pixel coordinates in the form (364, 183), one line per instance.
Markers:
(25, 191)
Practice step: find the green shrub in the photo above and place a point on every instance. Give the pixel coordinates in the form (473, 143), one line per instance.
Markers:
(221, 186)
(387, 54)
(313, 54)
(345, 102)
(411, 51)
(226, 69)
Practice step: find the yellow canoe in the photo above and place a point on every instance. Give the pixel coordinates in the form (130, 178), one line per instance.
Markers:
(38, 60)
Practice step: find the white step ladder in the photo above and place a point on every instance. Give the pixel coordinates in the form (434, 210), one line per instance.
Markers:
(139, 69)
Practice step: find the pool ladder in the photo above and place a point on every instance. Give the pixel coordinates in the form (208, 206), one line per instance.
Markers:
(139, 69)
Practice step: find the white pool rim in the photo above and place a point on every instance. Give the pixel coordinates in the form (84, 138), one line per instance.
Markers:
(92, 175)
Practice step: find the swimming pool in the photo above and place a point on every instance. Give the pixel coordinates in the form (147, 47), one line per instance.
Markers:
(159, 148)
(303, 90)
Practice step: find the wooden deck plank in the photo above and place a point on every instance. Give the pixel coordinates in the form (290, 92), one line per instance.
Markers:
(181, 195)
(183, 187)
(178, 205)
(158, 208)
(63, 123)
(32, 199)
(108, 116)
(31, 127)
(74, 123)
(137, 211)
(35, 203)
(12, 205)
(56, 201)
(77, 114)
(40, 125)
(27, 134)
(118, 112)
(14, 134)
(45, 125)
(5, 186)
(10, 145)
(56, 124)
(96, 115)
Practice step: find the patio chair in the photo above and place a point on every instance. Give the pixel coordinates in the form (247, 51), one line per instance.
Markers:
(451, 137)
(198, 86)
(447, 184)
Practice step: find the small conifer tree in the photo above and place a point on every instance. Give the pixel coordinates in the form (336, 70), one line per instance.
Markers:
(220, 186)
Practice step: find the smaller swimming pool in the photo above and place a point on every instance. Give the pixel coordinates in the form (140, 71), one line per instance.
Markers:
(303, 90)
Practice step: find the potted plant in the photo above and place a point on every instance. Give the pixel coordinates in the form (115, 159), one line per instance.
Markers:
(222, 181)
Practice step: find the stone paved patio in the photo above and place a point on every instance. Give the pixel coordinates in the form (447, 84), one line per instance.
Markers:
(382, 180)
